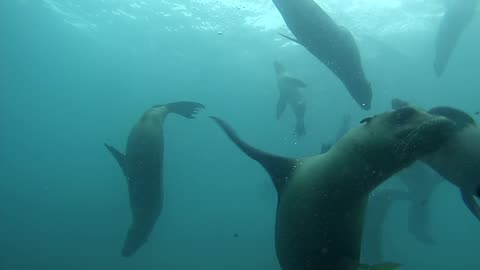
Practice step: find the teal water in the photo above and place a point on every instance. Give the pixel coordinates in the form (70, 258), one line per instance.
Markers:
(74, 74)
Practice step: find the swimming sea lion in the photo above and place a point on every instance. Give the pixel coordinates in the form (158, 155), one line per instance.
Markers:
(290, 93)
(458, 160)
(322, 198)
(379, 203)
(457, 16)
(420, 181)
(142, 165)
(330, 43)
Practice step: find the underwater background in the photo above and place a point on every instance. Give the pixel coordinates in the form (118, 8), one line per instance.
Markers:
(76, 74)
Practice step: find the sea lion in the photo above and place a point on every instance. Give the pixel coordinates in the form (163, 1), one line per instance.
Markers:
(379, 203)
(420, 181)
(458, 15)
(458, 160)
(322, 198)
(330, 43)
(290, 93)
(142, 165)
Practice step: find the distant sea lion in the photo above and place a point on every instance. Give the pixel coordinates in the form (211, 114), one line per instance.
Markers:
(379, 204)
(290, 93)
(322, 198)
(330, 43)
(143, 167)
(457, 16)
(420, 181)
(458, 160)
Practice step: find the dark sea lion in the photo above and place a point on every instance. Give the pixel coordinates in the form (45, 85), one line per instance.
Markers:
(322, 198)
(458, 160)
(330, 43)
(458, 15)
(290, 93)
(142, 165)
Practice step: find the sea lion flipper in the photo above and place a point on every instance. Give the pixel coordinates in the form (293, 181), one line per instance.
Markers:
(291, 38)
(185, 108)
(279, 168)
(119, 157)
(471, 204)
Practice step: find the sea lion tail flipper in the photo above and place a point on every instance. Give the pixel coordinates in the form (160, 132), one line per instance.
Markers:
(185, 108)
(279, 168)
(381, 266)
(119, 157)
(471, 204)
(291, 38)
(281, 105)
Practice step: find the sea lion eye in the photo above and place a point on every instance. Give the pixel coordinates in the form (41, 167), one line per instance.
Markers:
(366, 120)
(477, 192)
(403, 114)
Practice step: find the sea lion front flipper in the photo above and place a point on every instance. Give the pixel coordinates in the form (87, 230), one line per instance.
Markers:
(471, 204)
(184, 108)
(291, 38)
(281, 105)
(279, 168)
(119, 157)
(381, 266)
(461, 118)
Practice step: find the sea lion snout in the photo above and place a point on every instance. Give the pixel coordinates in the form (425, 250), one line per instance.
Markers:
(362, 94)
(430, 135)
(135, 239)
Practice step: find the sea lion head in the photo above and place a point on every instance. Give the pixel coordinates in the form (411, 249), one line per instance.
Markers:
(361, 91)
(404, 135)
